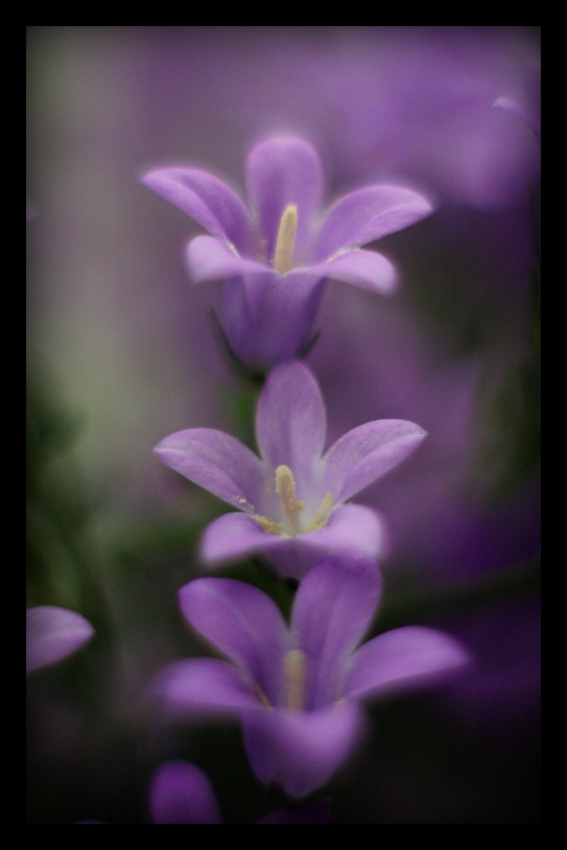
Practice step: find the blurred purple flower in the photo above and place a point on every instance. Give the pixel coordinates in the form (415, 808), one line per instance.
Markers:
(274, 261)
(53, 633)
(292, 498)
(182, 793)
(298, 690)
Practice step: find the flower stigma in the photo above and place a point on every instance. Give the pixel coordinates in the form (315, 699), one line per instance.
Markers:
(285, 488)
(283, 255)
(295, 676)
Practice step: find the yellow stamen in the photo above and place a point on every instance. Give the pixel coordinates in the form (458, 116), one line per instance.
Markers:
(322, 514)
(283, 255)
(269, 525)
(285, 488)
(295, 676)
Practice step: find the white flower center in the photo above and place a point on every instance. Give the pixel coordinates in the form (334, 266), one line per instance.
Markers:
(292, 508)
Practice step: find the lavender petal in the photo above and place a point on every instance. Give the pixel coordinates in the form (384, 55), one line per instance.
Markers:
(402, 659)
(282, 171)
(208, 258)
(208, 200)
(181, 793)
(366, 453)
(243, 623)
(300, 749)
(368, 214)
(333, 608)
(52, 633)
(216, 461)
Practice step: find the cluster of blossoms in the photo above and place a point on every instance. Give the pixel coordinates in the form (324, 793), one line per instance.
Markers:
(296, 688)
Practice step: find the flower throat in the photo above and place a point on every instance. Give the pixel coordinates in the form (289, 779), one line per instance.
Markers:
(292, 508)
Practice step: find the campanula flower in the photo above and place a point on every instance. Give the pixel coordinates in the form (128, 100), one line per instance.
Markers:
(276, 257)
(297, 689)
(52, 633)
(292, 497)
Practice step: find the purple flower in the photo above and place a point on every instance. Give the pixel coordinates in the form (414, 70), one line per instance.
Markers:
(292, 497)
(181, 793)
(275, 259)
(53, 633)
(297, 689)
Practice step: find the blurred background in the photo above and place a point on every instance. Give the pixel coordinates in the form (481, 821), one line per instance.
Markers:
(120, 354)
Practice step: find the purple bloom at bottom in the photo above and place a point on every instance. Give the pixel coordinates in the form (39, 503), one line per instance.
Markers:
(52, 633)
(297, 690)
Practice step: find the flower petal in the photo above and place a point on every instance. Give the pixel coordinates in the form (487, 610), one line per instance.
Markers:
(352, 530)
(204, 686)
(216, 461)
(269, 318)
(233, 536)
(300, 749)
(401, 659)
(332, 610)
(244, 624)
(368, 214)
(208, 200)
(313, 811)
(53, 633)
(365, 269)
(181, 793)
(210, 259)
(282, 171)
(366, 453)
(291, 425)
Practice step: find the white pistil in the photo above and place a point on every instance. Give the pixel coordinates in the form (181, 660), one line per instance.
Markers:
(295, 676)
(285, 488)
(283, 255)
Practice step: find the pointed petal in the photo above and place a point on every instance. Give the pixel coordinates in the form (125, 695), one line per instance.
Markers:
(181, 793)
(208, 200)
(243, 623)
(402, 659)
(352, 530)
(300, 749)
(216, 461)
(204, 686)
(269, 318)
(210, 259)
(233, 536)
(365, 269)
(313, 811)
(291, 423)
(333, 608)
(282, 171)
(368, 214)
(53, 633)
(366, 453)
